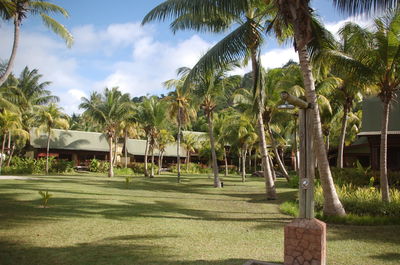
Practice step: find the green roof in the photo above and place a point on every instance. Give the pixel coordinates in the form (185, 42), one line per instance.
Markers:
(70, 140)
(138, 147)
(372, 116)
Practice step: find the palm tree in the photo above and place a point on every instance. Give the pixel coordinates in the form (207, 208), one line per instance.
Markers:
(164, 138)
(245, 41)
(10, 124)
(151, 114)
(131, 129)
(18, 10)
(380, 57)
(181, 109)
(51, 117)
(189, 141)
(109, 110)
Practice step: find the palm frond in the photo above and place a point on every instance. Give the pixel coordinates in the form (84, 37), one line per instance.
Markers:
(58, 28)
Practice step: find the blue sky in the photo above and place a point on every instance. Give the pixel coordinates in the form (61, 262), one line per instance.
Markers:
(112, 49)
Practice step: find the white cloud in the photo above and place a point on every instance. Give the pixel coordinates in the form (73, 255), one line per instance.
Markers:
(335, 26)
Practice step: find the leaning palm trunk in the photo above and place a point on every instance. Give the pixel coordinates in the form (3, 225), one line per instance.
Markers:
(178, 146)
(342, 137)
(383, 152)
(217, 183)
(276, 152)
(269, 182)
(111, 168)
(332, 204)
(2, 151)
(272, 168)
(47, 152)
(146, 151)
(11, 155)
(11, 60)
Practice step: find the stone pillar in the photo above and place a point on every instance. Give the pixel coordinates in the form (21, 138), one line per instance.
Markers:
(305, 242)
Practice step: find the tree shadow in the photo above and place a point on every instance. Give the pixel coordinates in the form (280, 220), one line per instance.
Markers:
(387, 256)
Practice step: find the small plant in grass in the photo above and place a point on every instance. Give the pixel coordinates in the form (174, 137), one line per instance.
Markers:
(45, 197)
(128, 180)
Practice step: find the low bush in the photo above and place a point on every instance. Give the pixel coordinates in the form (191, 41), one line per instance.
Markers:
(193, 168)
(25, 165)
(232, 169)
(99, 166)
(293, 180)
(61, 166)
(138, 168)
(363, 206)
(123, 171)
(361, 176)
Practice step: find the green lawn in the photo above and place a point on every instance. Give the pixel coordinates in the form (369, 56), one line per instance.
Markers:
(95, 220)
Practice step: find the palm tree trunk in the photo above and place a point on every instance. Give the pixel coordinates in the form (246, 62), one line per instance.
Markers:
(47, 151)
(159, 163)
(125, 150)
(339, 162)
(296, 151)
(146, 172)
(2, 151)
(244, 164)
(11, 155)
(178, 146)
(269, 182)
(115, 150)
(332, 204)
(272, 168)
(250, 159)
(217, 183)
(226, 162)
(11, 60)
(111, 169)
(152, 162)
(383, 152)
(240, 162)
(187, 161)
(255, 160)
(277, 156)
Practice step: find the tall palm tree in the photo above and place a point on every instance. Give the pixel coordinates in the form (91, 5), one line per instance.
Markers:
(381, 58)
(50, 117)
(10, 123)
(18, 10)
(181, 109)
(152, 116)
(244, 41)
(164, 138)
(190, 142)
(108, 109)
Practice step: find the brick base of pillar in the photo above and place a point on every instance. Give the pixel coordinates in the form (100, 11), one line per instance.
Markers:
(305, 242)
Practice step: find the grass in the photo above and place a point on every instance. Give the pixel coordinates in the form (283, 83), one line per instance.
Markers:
(95, 220)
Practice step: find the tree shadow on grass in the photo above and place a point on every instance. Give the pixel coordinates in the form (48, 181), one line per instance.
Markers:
(126, 250)
(384, 234)
(387, 256)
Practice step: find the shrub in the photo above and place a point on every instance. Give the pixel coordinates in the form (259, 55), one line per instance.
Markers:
(361, 176)
(62, 166)
(294, 179)
(232, 169)
(193, 168)
(138, 168)
(363, 205)
(123, 171)
(99, 166)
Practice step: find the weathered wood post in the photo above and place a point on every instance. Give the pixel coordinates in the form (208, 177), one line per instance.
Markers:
(305, 237)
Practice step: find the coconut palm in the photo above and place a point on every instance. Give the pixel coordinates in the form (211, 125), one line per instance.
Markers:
(380, 56)
(190, 142)
(50, 117)
(108, 109)
(164, 138)
(131, 129)
(18, 10)
(181, 109)
(152, 116)
(242, 42)
(10, 124)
